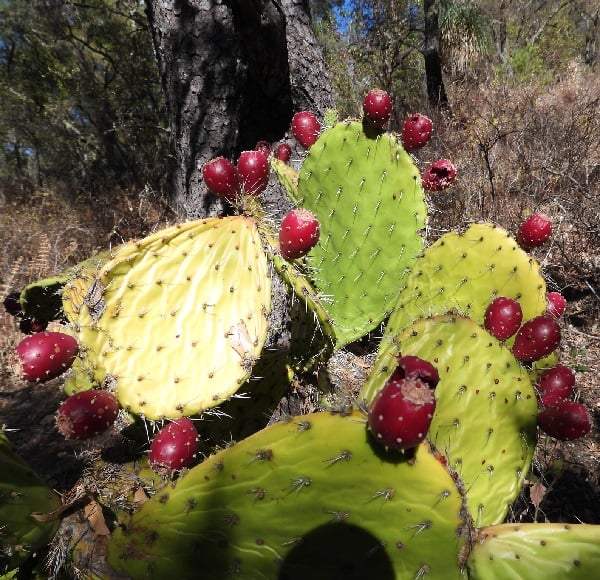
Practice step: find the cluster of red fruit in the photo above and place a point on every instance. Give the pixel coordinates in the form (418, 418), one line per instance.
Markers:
(46, 355)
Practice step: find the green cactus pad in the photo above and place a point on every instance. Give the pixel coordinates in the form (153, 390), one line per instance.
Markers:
(289, 502)
(486, 414)
(532, 551)
(175, 322)
(366, 193)
(22, 496)
(465, 272)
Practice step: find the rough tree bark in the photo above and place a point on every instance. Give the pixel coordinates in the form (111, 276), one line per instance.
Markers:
(436, 91)
(233, 72)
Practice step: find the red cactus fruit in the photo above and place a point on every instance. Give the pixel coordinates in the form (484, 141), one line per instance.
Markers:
(299, 232)
(556, 304)
(283, 152)
(503, 317)
(44, 356)
(401, 413)
(12, 304)
(537, 338)
(306, 128)
(174, 446)
(377, 108)
(416, 132)
(222, 178)
(410, 366)
(264, 147)
(534, 231)
(565, 420)
(87, 414)
(253, 168)
(32, 325)
(439, 175)
(554, 384)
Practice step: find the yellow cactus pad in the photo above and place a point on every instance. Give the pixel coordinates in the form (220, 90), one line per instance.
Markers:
(175, 321)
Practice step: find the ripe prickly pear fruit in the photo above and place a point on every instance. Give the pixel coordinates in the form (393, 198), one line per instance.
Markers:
(565, 420)
(556, 304)
(174, 446)
(306, 128)
(401, 413)
(12, 304)
(222, 178)
(537, 338)
(410, 366)
(87, 414)
(32, 325)
(299, 232)
(283, 152)
(264, 147)
(253, 168)
(534, 231)
(554, 384)
(377, 108)
(503, 317)
(439, 175)
(416, 132)
(44, 356)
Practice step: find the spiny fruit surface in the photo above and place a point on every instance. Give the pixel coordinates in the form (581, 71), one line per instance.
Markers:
(305, 128)
(554, 384)
(175, 321)
(556, 304)
(503, 317)
(410, 366)
(264, 147)
(222, 178)
(535, 231)
(486, 411)
(87, 414)
(416, 132)
(283, 152)
(253, 168)
(439, 175)
(537, 338)
(299, 232)
(401, 413)
(565, 420)
(287, 502)
(377, 107)
(45, 355)
(532, 551)
(174, 446)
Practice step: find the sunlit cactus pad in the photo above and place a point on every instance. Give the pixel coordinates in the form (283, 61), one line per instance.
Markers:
(465, 271)
(366, 193)
(485, 419)
(533, 551)
(175, 321)
(305, 497)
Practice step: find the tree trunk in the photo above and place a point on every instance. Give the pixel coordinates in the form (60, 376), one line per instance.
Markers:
(233, 72)
(436, 91)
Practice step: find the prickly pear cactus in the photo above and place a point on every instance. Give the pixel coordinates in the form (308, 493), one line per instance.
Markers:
(175, 322)
(25, 507)
(485, 419)
(309, 494)
(532, 551)
(367, 195)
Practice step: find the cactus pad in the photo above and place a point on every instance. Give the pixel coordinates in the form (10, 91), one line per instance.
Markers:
(532, 551)
(485, 419)
(260, 508)
(367, 195)
(175, 321)
(22, 494)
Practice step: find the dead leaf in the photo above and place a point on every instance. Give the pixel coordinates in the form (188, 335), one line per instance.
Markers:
(95, 517)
